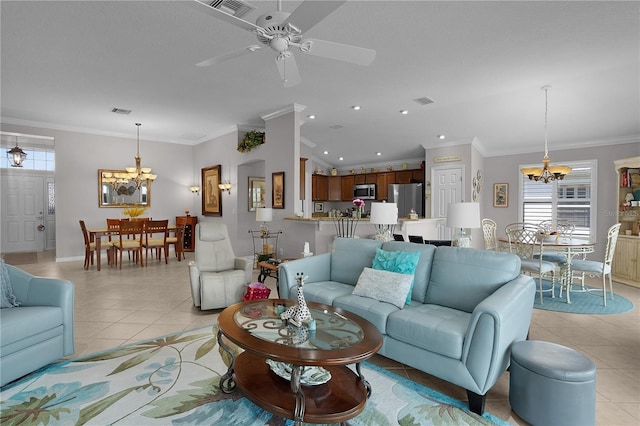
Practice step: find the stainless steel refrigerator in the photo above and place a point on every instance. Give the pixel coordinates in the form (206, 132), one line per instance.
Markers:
(407, 196)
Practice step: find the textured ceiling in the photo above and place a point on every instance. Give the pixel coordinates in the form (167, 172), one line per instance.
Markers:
(66, 64)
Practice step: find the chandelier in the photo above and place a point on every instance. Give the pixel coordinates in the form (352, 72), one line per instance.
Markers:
(16, 155)
(137, 175)
(547, 172)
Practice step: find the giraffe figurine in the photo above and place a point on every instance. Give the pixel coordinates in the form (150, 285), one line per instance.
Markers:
(298, 314)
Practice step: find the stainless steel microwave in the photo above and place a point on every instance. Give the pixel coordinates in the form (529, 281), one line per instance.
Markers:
(366, 191)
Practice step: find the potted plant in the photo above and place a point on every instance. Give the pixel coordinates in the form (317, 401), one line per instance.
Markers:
(250, 140)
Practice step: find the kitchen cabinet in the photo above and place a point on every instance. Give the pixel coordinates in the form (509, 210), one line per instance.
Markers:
(383, 180)
(417, 176)
(347, 187)
(334, 188)
(320, 188)
(404, 176)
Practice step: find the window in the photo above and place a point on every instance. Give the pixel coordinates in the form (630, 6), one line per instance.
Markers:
(570, 199)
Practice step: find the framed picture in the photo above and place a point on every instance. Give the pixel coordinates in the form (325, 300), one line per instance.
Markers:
(211, 193)
(256, 193)
(277, 190)
(318, 207)
(500, 195)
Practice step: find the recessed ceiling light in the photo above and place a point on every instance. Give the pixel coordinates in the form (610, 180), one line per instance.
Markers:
(326, 152)
(311, 117)
(340, 158)
(378, 153)
(404, 112)
(356, 107)
(441, 137)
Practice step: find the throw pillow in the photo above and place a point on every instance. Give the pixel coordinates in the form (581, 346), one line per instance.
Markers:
(7, 298)
(384, 286)
(402, 262)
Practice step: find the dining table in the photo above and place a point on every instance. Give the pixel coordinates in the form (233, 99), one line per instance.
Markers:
(570, 247)
(97, 233)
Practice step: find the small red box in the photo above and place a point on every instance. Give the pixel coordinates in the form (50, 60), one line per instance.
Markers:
(256, 291)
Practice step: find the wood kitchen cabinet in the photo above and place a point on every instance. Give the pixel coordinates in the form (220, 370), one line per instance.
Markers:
(417, 176)
(404, 176)
(383, 180)
(347, 187)
(320, 188)
(334, 188)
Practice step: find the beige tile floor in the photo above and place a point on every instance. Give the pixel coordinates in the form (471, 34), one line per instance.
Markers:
(114, 307)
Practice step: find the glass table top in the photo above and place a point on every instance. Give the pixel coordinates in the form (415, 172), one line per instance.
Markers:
(333, 330)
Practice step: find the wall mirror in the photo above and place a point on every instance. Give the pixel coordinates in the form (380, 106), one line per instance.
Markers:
(114, 191)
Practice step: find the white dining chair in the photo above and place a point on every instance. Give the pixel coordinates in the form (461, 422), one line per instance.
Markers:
(600, 269)
(489, 233)
(525, 241)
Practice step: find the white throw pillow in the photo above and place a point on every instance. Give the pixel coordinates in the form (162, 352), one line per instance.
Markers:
(385, 286)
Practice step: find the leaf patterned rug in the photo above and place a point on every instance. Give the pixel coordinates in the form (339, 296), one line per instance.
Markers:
(173, 380)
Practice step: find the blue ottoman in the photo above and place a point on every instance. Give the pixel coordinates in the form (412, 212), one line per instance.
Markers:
(551, 384)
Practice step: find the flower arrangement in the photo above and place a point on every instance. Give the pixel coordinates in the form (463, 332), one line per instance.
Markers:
(250, 140)
(359, 203)
(134, 212)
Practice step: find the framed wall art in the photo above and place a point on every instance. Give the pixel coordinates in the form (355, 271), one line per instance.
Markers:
(500, 195)
(211, 193)
(256, 193)
(277, 190)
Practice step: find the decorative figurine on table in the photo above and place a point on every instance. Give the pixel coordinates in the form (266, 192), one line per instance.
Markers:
(298, 314)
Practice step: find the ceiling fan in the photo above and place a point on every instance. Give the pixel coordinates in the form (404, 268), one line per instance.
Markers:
(283, 30)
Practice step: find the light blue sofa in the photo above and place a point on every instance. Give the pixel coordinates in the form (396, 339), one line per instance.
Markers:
(40, 330)
(467, 307)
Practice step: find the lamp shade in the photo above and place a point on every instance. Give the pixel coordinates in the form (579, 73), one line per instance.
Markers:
(463, 215)
(264, 214)
(384, 213)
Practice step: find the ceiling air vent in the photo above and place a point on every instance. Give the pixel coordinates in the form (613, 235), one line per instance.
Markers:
(423, 101)
(236, 8)
(121, 111)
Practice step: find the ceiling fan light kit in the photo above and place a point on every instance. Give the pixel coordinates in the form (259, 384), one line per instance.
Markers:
(277, 30)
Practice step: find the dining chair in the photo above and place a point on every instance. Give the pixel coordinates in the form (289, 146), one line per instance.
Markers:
(563, 229)
(418, 239)
(130, 238)
(489, 233)
(600, 269)
(398, 237)
(114, 225)
(525, 242)
(155, 238)
(89, 246)
(178, 238)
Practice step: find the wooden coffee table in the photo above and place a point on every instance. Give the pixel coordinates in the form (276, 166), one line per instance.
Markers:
(340, 338)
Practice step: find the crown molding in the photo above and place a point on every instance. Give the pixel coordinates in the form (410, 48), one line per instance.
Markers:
(286, 110)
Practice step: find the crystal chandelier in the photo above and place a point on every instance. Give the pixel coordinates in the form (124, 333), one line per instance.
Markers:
(547, 172)
(138, 175)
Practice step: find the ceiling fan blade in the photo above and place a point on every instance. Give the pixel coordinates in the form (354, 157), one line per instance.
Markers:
(310, 13)
(288, 69)
(338, 51)
(217, 13)
(225, 57)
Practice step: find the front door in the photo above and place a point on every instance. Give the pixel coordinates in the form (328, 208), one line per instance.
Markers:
(446, 187)
(23, 213)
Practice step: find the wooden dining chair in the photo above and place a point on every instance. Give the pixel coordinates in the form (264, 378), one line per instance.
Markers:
(113, 225)
(89, 246)
(178, 238)
(155, 238)
(130, 237)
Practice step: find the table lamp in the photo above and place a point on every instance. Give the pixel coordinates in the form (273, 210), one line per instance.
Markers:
(264, 215)
(385, 217)
(463, 216)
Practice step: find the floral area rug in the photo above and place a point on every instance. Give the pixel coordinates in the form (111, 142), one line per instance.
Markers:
(173, 380)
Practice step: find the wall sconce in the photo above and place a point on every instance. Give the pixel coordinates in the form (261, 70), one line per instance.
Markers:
(194, 189)
(225, 186)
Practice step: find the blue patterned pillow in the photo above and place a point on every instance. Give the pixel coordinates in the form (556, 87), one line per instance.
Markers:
(7, 298)
(402, 262)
